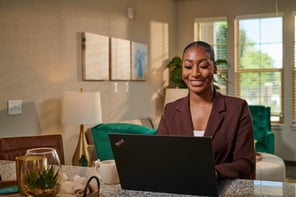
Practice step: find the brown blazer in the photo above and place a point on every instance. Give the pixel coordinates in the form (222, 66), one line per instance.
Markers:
(229, 125)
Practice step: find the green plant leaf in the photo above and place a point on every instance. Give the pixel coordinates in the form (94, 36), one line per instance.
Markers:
(175, 72)
(44, 179)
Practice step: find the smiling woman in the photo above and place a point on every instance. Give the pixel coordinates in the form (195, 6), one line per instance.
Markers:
(175, 73)
(225, 119)
(198, 68)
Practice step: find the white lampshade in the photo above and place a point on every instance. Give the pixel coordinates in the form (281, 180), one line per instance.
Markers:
(172, 94)
(82, 108)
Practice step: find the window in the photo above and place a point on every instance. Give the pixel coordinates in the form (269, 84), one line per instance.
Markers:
(259, 62)
(214, 32)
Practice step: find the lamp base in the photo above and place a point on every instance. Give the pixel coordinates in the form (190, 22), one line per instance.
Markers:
(81, 151)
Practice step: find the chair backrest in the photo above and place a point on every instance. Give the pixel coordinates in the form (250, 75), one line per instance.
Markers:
(11, 147)
(262, 128)
(261, 120)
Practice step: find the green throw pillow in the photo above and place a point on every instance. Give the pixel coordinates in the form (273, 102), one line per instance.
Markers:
(101, 139)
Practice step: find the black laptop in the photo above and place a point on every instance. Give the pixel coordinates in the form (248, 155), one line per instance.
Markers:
(169, 164)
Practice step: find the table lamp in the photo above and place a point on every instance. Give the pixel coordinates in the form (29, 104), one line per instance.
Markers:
(172, 94)
(81, 108)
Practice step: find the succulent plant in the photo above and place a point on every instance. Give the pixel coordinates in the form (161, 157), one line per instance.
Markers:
(42, 182)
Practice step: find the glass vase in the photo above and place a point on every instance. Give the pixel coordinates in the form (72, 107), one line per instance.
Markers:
(41, 172)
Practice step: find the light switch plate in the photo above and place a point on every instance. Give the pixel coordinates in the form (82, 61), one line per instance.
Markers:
(115, 87)
(126, 87)
(14, 107)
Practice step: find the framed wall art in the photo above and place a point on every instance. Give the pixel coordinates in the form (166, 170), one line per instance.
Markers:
(120, 59)
(139, 67)
(95, 56)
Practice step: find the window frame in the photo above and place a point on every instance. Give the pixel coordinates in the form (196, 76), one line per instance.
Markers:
(222, 71)
(238, 70)
(293, 67)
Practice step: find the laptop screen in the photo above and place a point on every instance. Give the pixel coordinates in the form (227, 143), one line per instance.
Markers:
(170, 164)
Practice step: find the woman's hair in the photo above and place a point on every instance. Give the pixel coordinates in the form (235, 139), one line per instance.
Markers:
(209, 49)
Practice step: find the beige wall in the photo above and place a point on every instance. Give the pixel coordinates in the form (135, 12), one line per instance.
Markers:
(285, 134)
(40, 59)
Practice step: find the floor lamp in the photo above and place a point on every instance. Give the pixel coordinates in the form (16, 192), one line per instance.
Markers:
(81, 108)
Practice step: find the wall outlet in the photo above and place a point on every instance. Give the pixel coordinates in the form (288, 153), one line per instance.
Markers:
(14, 107)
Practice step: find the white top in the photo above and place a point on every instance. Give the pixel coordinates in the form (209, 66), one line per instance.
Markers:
(198, 133)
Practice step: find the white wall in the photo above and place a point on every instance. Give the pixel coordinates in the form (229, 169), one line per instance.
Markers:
(40, 59)
(188, 10)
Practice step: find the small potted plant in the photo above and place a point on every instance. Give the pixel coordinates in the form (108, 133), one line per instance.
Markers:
(41, 183)
(41, 172)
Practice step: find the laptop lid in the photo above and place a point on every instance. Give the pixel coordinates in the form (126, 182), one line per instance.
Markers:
(170, 164)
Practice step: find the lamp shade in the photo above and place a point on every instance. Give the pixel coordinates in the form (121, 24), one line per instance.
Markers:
(172, 94)
(82, 108)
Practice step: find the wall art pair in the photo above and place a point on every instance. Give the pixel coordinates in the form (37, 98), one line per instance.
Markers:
(108, 58)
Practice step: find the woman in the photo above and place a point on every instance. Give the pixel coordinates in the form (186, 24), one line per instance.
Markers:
(206, 112)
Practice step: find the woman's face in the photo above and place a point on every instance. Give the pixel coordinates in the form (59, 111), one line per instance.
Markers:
(198, 69)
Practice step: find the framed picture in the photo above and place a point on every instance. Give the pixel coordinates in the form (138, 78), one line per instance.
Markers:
(95, 56)
(139, 67)
(120, 59)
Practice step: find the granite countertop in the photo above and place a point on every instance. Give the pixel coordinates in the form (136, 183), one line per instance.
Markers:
(238, 187)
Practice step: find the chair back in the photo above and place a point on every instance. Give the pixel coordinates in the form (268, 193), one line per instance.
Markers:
(11, 147)
(262, 128)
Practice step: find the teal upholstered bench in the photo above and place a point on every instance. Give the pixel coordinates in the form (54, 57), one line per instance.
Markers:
(101, 139)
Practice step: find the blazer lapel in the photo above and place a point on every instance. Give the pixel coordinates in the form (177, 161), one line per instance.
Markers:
(216, 118)
(183, 120)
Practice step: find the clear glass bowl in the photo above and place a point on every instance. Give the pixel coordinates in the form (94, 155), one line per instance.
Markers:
(41, 172)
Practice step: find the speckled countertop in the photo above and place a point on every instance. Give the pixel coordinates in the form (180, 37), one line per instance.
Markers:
(232, 188)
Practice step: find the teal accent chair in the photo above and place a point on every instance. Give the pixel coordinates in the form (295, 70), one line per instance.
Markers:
(264, 137)
(101, 139)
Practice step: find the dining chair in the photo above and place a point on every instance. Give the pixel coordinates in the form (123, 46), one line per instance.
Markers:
(11, 147)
